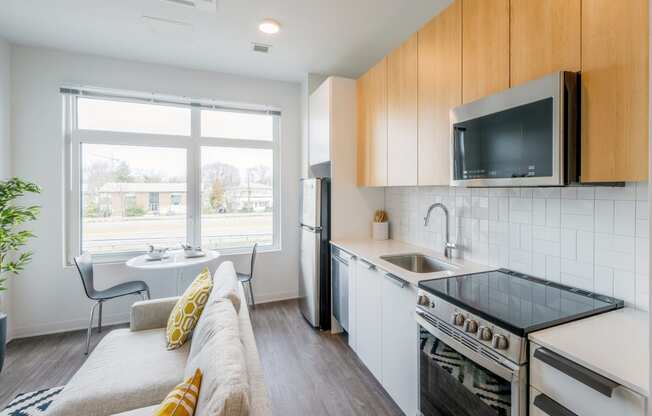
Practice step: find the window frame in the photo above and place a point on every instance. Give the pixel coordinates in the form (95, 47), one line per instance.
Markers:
(74, 138)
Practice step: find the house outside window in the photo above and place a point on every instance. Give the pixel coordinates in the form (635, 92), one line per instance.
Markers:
(144, 173)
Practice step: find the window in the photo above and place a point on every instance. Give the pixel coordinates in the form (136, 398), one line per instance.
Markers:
(144, 173)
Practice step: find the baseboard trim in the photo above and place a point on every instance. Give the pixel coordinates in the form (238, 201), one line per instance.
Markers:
(66, 326)
(276, 297)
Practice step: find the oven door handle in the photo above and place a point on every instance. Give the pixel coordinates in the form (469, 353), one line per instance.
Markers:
(507, 370)
(551, 407)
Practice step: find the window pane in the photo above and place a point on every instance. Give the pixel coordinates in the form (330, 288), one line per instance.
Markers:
(132, 197)
(93, 114)
(233, 125)
(237, 197)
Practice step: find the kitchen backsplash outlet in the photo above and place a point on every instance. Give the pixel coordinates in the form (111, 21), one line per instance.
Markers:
(595, 238)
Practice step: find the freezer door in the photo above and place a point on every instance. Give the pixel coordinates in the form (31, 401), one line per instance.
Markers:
(311, 203)
(309, 275)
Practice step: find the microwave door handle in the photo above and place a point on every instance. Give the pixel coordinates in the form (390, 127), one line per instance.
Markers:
(551, 407)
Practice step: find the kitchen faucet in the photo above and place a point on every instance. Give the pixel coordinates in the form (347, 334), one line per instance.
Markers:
(448, 246)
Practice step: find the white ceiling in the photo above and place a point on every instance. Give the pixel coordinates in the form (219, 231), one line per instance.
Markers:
(341, 37)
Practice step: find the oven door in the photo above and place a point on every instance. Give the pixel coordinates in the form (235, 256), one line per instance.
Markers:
(456, 380)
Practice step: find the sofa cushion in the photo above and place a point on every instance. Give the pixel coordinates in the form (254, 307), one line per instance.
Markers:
(127, 370)
(225, 386)
(188, 309)
(226, 285)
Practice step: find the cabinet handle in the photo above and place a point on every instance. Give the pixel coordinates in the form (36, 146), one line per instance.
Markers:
(402, 283)
(582, 374)
(368, 265)
(551, 407)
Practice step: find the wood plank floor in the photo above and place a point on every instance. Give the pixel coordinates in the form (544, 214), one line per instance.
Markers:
(308, 372)
(44, 361)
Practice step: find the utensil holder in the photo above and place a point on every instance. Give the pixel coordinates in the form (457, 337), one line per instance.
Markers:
(380, 230)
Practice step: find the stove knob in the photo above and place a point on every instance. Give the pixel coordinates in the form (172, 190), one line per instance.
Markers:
(458, 319)
(471, 326)
(484, 333)
(499, 342)
(423, 300)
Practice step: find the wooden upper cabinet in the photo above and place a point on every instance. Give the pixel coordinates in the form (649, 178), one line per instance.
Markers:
(485, 48)
(545, 37)
(402, 144)
(615, 78)
(372, 126)
(440, 89)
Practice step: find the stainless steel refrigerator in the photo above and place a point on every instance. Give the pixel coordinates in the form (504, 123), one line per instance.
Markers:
(314, 270)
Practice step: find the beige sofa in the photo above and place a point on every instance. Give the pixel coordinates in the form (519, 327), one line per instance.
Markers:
(130, 371)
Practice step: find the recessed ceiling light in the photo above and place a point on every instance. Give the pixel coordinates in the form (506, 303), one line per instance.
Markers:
(269, 26)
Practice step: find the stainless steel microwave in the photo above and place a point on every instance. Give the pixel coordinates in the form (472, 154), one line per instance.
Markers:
(524, 136)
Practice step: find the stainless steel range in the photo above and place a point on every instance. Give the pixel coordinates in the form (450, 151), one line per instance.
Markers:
(473, 338)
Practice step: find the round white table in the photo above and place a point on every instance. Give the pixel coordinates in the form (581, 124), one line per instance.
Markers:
(174, 260)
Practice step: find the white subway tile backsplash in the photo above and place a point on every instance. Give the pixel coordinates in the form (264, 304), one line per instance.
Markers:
(641, 191)
(586, 193)
(625, 218)
(615, 251)
(553, 212)
(539, 265)
(593, 238)
(569, 193)
(604, 216)
(577, 207)
(585, 246)
(604, 280)
(539, 212)
(546, 193)
(625, 286)
(520, 210)
(553, 268)
(642, 256)
(569, 244)
(643, 292)
(480, 207)
(626, 193)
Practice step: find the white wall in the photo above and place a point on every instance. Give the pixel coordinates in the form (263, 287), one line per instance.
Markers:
(5, 168)
(4, 108)
(594, 238)
(48, 296)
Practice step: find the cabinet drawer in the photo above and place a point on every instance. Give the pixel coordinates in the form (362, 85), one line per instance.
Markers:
(542, 405)
(578, 389)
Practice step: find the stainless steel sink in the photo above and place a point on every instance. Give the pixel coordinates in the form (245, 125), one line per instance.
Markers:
(418, 263)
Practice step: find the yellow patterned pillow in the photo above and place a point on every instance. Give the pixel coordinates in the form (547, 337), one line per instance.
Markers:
(188, 309)
(183, 399)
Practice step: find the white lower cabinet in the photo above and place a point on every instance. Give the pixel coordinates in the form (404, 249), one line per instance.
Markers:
(558, 385)
(384, 332)
(399, 343)
(368, 311)
(353, 316)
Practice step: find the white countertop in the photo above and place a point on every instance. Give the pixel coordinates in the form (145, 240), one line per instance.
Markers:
(613, 344)
(372, 250)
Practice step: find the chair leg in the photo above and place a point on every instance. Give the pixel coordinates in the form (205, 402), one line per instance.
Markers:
(90, 327)
(251, 295)
(99, 320)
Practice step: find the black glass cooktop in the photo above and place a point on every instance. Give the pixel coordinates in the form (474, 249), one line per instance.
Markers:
(517, 302)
